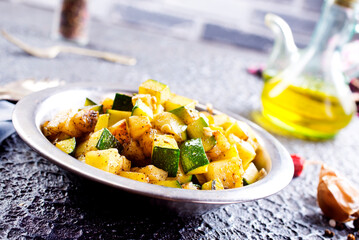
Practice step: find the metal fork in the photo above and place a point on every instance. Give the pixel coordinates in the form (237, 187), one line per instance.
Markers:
(52, 52)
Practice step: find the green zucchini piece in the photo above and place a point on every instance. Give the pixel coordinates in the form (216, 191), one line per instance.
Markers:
(89, 102)
(159, 90)
(187, 115)
(193, 155)
(122, 102)
(195, 130)
(250, 175)
(141, 109)
(169, 123)
(181, 177)
(107, 140)
(67, 146)
(166, 154)
(169, 183)
(116, 115)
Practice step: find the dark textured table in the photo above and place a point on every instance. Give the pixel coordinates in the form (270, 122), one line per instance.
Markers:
(39, 200)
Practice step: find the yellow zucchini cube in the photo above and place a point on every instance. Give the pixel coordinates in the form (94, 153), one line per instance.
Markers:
(169, 123)
(168, 183)
(228, 171)
(102, 122)
(108, 160)
(176, 101)
(134, 176)
(88, 145)
(153, 173)
(239, 129)
(138, 125)
(159, 90)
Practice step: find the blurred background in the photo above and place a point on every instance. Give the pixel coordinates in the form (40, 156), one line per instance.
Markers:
(234, 22)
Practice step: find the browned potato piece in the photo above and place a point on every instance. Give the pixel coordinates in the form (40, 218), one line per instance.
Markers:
(228, 171)
(134, 152)
(146, 142)
(154, 173)
(120, 131)
(81, 122)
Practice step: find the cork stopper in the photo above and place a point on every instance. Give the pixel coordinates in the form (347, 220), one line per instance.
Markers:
(346, 3)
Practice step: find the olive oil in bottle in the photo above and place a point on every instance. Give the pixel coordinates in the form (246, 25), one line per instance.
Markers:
(310, 98)
(310, 109)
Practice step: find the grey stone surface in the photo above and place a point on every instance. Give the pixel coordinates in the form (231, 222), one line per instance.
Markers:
(38, 200)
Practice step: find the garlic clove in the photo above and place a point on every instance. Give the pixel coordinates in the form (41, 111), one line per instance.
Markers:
(336, 196)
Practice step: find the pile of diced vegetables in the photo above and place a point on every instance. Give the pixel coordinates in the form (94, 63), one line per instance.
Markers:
(159, 137)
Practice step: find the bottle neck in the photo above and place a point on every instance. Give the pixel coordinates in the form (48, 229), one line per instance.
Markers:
(335, 28)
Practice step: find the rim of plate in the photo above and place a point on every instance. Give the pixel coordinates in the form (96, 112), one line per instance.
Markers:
(31, 111)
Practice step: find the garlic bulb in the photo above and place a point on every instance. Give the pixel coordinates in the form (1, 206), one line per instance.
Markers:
(336, 196)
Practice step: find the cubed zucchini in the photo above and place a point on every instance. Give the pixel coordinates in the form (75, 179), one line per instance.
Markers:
(159, 90)
(107, 140)
(67, 146)
(116, 115)
(141, 109)
(165, 154)
(141, 177)
(89, 102)
(193, 157)
(122, 102)
(181, 177)
(214, 184)
(250, 175)
(169, 123)
(176, 101)
(102, 122)
(138, 125)
(168, 183)
(187, 115)
(196, 130)
(88, 145)
(239, 129)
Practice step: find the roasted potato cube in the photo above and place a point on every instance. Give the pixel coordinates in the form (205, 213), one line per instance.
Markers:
(108, 160)
(245, 150)
(138, 125)
(228, 171)
(146, 142)
(154, 173)
(134, 176)
(120, 132)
